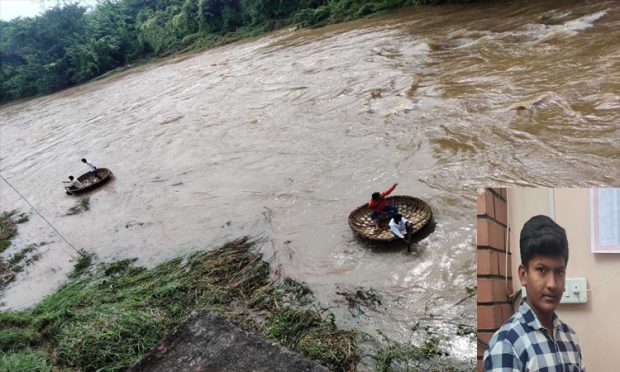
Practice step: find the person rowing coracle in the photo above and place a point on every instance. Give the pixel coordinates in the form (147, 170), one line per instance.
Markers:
(402, 229)
(380, 206)
(73, 184)
(93, 169)
(416, 214)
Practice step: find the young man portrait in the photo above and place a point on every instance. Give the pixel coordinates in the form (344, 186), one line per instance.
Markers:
(534, 338)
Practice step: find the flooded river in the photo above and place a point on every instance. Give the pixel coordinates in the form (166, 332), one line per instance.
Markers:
(282, 136)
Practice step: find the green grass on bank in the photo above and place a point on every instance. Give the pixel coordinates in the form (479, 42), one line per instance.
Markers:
(110, 315)
(25, 360)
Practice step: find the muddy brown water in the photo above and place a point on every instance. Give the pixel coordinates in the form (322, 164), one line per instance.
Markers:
(282, 136)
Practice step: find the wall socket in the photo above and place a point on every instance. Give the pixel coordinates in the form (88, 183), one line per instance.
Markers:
(576, 291)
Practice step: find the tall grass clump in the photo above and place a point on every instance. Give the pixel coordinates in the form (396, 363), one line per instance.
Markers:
(107, 335)
(25, 361)
(82, 265)
(8, 229)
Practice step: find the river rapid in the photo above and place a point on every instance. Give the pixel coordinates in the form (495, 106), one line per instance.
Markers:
(282, 136)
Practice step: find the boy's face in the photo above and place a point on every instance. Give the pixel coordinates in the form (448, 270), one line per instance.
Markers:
(544, 281)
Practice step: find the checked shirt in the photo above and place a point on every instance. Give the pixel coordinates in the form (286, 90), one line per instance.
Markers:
(522, 344)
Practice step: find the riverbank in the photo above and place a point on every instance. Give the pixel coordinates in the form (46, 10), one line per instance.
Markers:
(110, 315)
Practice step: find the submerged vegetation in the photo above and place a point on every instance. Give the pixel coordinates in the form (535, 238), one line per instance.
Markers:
(429, 356)
(108, 317)
(401, 355)
(25, 257)
(360, 297)
(83, 263)
(67, 45)
(82, 205)
(8, 230)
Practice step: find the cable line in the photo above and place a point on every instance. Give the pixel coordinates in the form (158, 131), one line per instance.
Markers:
(80, 252)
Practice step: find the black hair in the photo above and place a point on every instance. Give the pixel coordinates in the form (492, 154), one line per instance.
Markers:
(71, 178)
(397, 217)
(541, 236)
(83, 160)
(376, 195)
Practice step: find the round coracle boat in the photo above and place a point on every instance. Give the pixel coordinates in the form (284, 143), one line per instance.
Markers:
(90, 181)
(413, 209)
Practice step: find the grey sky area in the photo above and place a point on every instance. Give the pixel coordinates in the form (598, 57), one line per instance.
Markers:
(10, 9)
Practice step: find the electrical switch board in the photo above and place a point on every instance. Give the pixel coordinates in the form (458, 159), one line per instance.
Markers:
(575, 291)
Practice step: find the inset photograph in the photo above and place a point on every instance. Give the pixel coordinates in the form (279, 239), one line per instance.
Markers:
(548, 279)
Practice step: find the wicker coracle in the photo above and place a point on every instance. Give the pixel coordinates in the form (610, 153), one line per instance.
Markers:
(90, 182)
(413, 209)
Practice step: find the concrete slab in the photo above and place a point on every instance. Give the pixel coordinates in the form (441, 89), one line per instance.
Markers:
(208, 342)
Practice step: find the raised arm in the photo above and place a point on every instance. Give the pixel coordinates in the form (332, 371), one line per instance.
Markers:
(389, 191)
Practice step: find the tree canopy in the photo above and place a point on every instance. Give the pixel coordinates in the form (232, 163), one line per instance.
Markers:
(68, 45)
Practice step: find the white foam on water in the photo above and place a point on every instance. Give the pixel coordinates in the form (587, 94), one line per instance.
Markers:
(534, 33)
(584, 22)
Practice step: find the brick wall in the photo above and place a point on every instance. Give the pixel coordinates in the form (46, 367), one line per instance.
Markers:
(493, 304)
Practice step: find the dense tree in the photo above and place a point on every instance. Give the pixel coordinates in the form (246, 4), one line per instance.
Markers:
(37, 54)
(67, 45)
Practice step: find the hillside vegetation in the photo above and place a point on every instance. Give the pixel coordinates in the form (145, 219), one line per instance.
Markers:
(68, 45)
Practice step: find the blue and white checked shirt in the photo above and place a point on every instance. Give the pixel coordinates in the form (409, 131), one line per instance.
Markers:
(522, 344)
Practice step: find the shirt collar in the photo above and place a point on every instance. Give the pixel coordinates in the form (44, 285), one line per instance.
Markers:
(532, 320)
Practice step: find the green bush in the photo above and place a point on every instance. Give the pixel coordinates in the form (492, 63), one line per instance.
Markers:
(312, 17)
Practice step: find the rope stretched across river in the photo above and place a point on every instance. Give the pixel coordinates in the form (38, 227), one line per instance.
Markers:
(80, 252)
